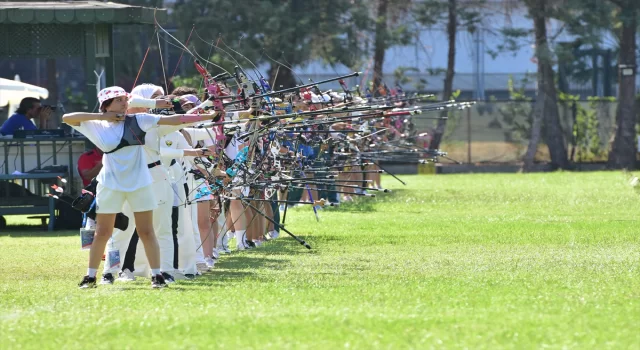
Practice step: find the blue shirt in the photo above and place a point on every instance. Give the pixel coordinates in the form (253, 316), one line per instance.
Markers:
(16, 122)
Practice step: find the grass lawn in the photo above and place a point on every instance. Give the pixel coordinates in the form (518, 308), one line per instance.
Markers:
(458, 261)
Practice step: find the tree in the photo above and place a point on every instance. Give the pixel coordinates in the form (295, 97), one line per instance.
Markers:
(623, 149)
(434, 12)
(546, 108)
(136, 38)
(380, 44)
(292, 32)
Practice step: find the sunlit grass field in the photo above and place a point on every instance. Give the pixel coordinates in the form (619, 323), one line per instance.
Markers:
(548, 260)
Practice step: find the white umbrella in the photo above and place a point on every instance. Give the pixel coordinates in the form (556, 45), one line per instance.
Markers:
(12, 92)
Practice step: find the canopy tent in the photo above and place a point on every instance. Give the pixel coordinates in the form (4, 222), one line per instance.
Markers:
(13, 91)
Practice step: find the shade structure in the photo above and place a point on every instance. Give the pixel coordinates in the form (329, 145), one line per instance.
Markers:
(12, 92)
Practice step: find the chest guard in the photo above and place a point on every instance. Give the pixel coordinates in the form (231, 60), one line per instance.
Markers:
(132, 136)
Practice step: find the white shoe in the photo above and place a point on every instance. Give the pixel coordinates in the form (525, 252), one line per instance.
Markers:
(126, 276)
(258, 243)
(274, 234)
(216, 253)
(209, 261)
(202, 267)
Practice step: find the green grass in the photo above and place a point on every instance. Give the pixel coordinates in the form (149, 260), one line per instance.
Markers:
(462, 261)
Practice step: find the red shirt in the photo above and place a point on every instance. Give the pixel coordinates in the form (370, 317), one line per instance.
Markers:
(88, 161)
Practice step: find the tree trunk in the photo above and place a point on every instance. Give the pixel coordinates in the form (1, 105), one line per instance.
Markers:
(623, 150)
(380, 45)
(546, 109)
(283, 76)
(452, 28)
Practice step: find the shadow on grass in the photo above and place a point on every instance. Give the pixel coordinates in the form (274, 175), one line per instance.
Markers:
(286, 245)
(368, 204)
(358, 205)
(34, 231)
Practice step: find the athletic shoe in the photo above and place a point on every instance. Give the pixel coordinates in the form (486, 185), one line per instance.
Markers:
(216, 253)
(189, 276)
(158, 281)
(202, 267)
(107, 278)
(87, 282)
(274, 234)
(209, 261)
(168, 278)
(246, 245)
(126, 276)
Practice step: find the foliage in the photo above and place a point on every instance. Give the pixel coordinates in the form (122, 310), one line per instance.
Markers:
(517, 114)
(190, 81)
(416, 80)
(585, 129)
(453, 118)
(292, 32)
(431, 13)
(74, 102)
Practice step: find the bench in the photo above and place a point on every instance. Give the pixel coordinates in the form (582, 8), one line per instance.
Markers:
(43, 219)
(27, 203)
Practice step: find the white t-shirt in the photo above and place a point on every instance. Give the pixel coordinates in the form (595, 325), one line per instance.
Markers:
(125, 169)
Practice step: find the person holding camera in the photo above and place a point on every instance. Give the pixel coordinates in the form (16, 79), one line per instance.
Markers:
(29, 108)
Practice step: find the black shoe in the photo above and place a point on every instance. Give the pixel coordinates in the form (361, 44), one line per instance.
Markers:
(87, 282)
(249, 244)
(157, 281)
(168, 278)
(190, 276)
(107, 278)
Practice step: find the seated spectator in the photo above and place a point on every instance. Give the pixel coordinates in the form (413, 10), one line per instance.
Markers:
(29, 109)
(89, 165)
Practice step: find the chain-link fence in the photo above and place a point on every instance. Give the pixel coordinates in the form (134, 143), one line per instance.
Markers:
(498, 132)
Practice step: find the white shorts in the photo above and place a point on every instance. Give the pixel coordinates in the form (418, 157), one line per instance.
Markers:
(110, 201)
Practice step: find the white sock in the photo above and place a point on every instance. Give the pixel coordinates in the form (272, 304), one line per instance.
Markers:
(155, 272)
(92, 272)
(240, 237)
